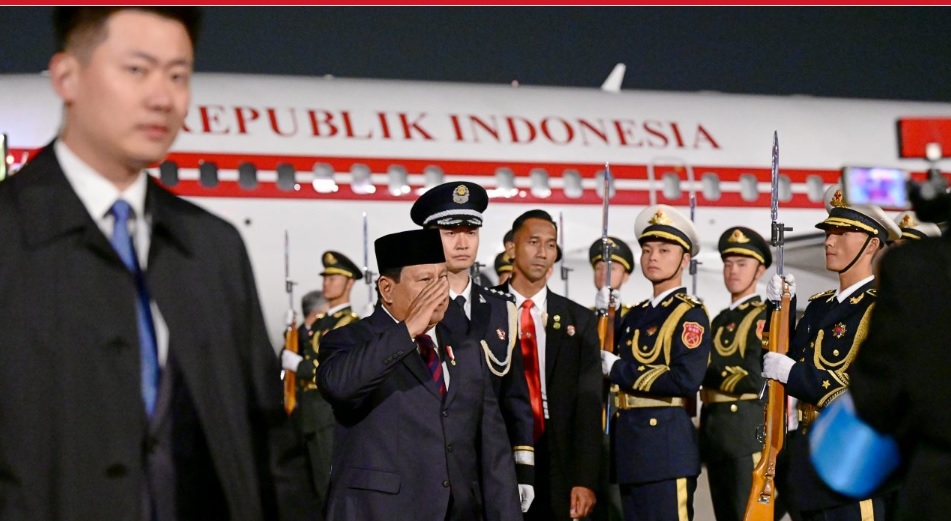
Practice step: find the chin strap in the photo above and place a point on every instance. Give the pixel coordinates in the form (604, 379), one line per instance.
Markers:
(857, 255)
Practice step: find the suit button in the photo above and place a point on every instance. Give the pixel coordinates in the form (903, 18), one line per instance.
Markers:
(733, 407)
(449, 447)
(445, 413)
(653, 422)
(445, 484)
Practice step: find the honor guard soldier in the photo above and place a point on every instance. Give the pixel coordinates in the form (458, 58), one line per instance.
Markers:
(913, 229)
(622, 264)
(487, 316)
(663, 345)
(313, 414)
(732, 411)
(503, 267)
(824, 344)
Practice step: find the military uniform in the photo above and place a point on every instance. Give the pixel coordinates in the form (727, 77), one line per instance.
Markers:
(313, 414)
(663, 345)
(732, 411)
(487, 316)
(824, 345)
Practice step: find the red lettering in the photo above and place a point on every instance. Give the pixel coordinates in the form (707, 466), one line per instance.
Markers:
(653, 128)
(568, 132)
(493, 130)
(239, 115)
(601, 132)
(409, 126)
(348, 126)
(625, 132)
(513, 130)
(209, 118)
(272, 117)
(383, 124)
(676, 130)
(456, 128)
(702, 133)
(322, 119)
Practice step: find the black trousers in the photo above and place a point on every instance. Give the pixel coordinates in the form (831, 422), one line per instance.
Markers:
(670, 500)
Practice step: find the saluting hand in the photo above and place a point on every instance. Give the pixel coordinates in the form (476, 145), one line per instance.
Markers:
(421, 310)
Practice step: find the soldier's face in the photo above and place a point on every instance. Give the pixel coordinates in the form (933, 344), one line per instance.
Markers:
(618, 275)
(460, 245)
(842, 245)
(740, 274)
(336, 286)
(127, 96)
(536, 248)
(661, 261)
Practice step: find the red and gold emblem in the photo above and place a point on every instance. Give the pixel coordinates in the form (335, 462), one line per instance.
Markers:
(837, 200)
(839, 330)
(501, 333)
(760, 325)
(651, 330)
(730, 327)
(692, 334)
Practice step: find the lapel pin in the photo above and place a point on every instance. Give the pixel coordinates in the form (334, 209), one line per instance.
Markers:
(571, 330)
(501, 333)
(452, 359)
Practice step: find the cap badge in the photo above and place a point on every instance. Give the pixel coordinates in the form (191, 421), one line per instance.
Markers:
(907, 221)
(837, 200)
(660, 218)
(738, 236)
(460, 195)
(329, 258)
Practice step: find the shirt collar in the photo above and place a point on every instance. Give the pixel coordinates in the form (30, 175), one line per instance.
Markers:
(335, 309)
(844, 294)
(538, 299)
(95, 191)
(467, 292)
(660, 298)
(740, 302)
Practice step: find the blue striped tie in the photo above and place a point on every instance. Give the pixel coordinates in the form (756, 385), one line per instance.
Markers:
(122, 242)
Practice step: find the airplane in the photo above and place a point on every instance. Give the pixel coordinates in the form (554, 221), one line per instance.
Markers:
(331, 161)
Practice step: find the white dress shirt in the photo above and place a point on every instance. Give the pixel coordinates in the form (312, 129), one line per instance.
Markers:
(538, 311)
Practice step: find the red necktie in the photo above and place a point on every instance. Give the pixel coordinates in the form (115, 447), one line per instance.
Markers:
(428, 352)
(532, 372)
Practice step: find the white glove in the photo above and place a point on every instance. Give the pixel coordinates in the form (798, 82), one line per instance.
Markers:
(607, 362)
(603, 297)
(290, 360)
(526, 493)
(774, 289)
(777, 366)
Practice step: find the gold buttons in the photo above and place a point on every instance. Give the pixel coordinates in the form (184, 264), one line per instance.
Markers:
(653, 422)
(733, 407)
(835, 352)
(723, 374)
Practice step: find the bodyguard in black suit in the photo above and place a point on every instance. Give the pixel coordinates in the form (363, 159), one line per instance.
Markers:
(732, 411)
(662, 346)
(155, 394)
(559, 344)
(455, 209)
(825, 343)
(419, 433)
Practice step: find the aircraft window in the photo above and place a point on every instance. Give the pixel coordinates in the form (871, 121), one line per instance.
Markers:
(599, 185)
(168, 173)
(208, 174)
(247, 176)
(540, 185)
(748, 189)
(815, 189)
(785, 188)
(671, 184)
(324, 179)
(432, 176)
(286, 178)
(505, 182)
(398, 180)
(572, 180)
(710, 186)
(360, 181)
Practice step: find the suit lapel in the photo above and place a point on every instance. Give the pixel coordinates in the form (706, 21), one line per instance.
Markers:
(553, 336)
(448, 343)
(481, 310)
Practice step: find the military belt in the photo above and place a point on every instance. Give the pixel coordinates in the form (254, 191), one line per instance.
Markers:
(626, 401)
(715, 396)
(807, 413)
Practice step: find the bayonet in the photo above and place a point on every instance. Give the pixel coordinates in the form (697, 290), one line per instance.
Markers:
(564, 255)
(777, 229)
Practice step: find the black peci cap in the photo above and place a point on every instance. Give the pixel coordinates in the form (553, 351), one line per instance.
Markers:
(408, 248)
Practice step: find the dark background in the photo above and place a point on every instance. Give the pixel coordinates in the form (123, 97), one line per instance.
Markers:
(862, 52)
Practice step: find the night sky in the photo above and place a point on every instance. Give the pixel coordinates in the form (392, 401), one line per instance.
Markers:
(865, 52)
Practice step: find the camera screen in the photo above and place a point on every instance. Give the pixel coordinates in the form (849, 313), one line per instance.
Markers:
(884, 187)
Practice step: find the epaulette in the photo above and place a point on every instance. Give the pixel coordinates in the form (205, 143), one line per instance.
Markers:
(827, 293)
(690, 299)
(501, 294)
(643, 304)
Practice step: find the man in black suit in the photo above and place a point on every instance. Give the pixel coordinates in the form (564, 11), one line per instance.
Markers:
(419, 433)
(559, 343)
(147, 389)
(455, 209)
(313, 414)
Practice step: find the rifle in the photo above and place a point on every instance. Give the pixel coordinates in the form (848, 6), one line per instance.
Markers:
(606, 316)
(367, 274)
(290, 335)
(762, 498)
(475, 272)
(693, 260)
(564, 269)
(4, 153)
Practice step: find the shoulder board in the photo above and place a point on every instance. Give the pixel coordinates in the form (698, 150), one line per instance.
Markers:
(643, 304)
(501, 294)
(827, 293)
(690, 299)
